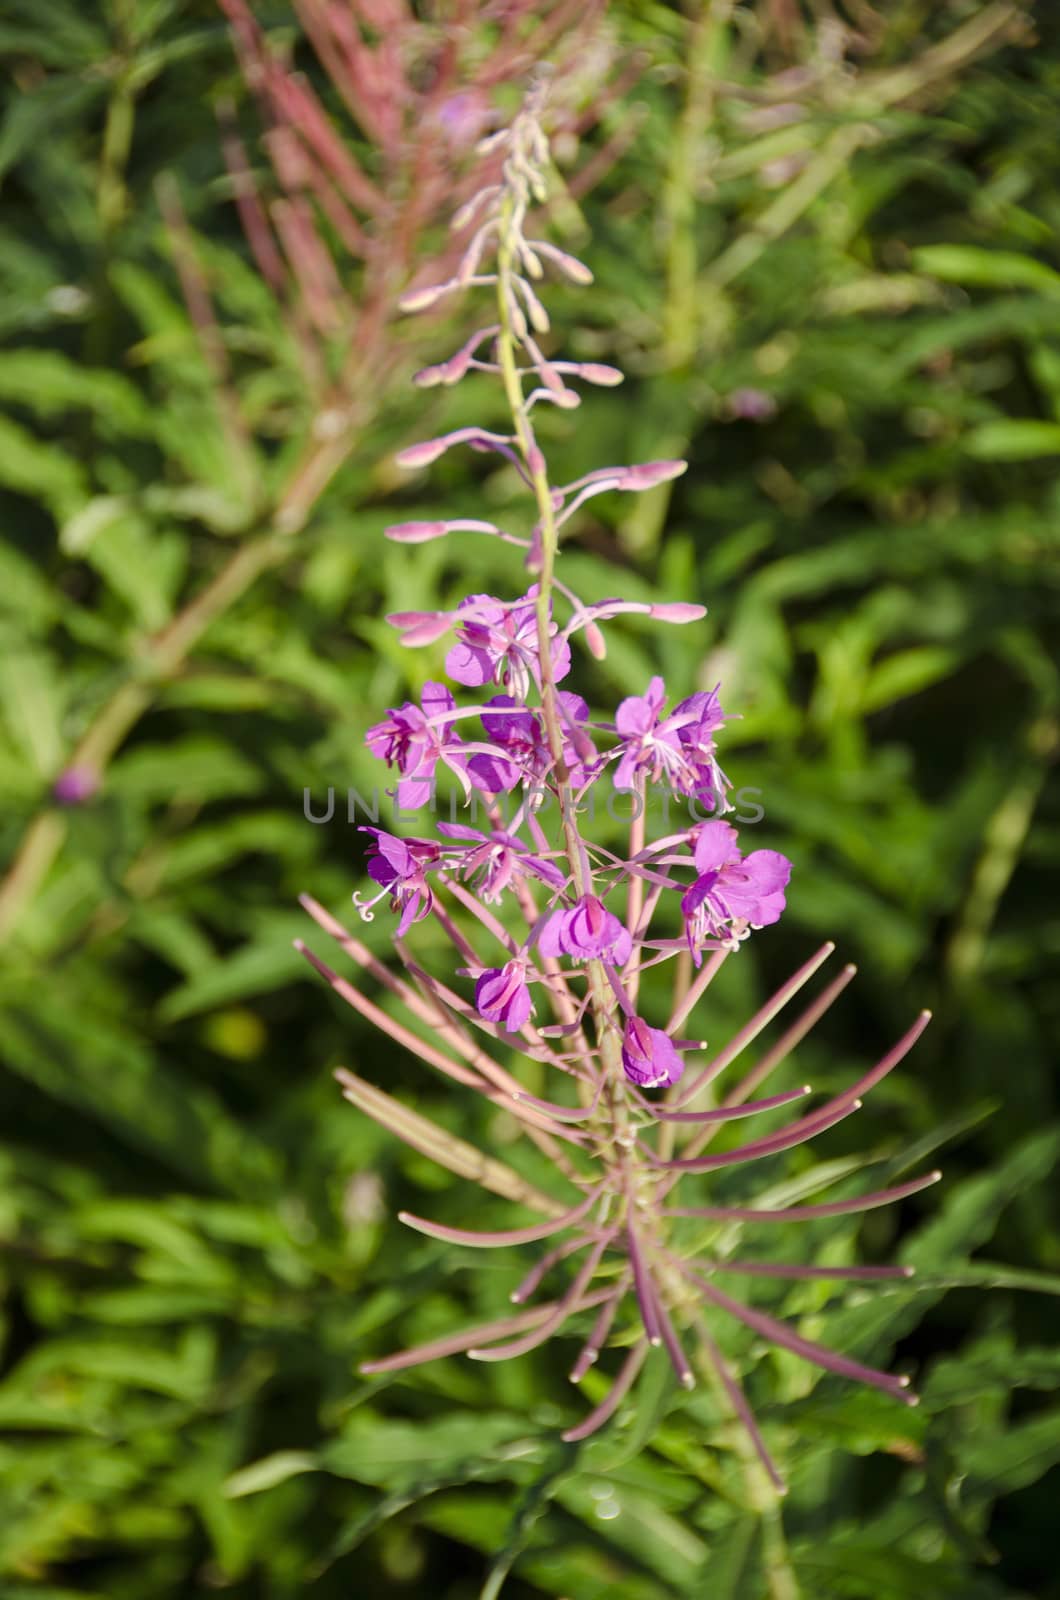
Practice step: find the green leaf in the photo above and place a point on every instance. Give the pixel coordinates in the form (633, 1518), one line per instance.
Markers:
(31, 706)
(969, 1212)
(904, 673)
(43, 472)
(1013, 439)
(390, 1454)
(257, 968)
(733, 1569)
(25, 595)
(976, 268)
(140, 563)
(269, 1471)
(531, 1505)
(83, 1059)
(183, 1373)
(50, 384)
(191, 770)
(959, 1380)
(1014, 1459)
(37, 117)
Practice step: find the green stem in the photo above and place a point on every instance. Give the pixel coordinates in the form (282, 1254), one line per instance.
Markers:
(762, 1499)
(601, 1001)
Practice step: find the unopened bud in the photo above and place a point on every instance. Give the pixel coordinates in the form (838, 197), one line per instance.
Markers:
(574, 269)
(420, 299)
(420, 455)
(416, 532)
(595, 640)
(677, 611)
(599, 373)
(646, 474)
(419, 627)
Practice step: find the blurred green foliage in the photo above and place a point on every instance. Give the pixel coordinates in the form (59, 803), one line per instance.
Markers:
(847, 318)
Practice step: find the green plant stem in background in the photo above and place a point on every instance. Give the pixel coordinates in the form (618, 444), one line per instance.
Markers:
(686, 282)
(161, 659)
(1003, 840)
(685, 182)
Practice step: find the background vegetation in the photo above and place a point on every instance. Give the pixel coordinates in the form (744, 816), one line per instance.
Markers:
(848, 316)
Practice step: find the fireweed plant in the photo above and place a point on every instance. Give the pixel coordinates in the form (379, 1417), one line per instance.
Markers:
(564, 991)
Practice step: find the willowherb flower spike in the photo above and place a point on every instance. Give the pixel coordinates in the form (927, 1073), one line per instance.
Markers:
(550, 931)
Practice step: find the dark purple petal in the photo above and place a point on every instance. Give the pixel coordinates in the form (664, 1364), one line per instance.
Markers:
(493, 774)
(648, 1056)
(501, 995)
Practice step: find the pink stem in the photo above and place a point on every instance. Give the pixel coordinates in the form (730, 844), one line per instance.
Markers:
(601, 1328)
(738, 1401)
(791, 1037)
(535, 1123)
(747, 1034)
(504, 1236)
(561, 1113)
(560, 1253)
(729, 1113)
(782, 1269)
(885, 1065)
(457, 1343)
(563, 1309)
(619, 1389)
(798, 1133)
(678, 1359)
(833, 1208)
(487, 919)
(779, 1333)
(703, 978)
(644, 1289)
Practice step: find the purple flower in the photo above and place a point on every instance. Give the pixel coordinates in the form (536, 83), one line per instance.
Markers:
(648, 1056)
(501, 995)
(731, 889)
(400, 867)
(588, 931)
(498, 859)
(697, 720)
(678, 748)
(497, 643)
(579, 753)
(523, 755)
(75, 785)
(413, 741)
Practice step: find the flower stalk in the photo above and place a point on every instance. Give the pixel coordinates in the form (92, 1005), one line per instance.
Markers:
(530, 904)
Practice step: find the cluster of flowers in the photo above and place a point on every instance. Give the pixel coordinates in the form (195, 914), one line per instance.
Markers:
(588, 922)
(497, 644)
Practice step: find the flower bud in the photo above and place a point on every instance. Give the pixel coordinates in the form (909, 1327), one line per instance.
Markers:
(677, 611)
(598, 372)
(420, 299)
(646, 474)
(416, 532)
